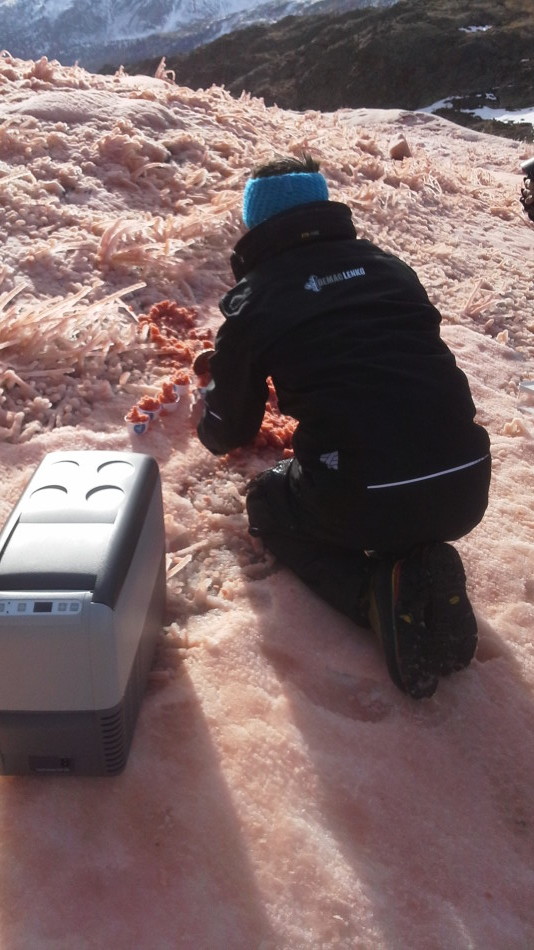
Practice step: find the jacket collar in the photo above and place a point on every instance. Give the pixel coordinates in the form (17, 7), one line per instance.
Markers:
(305, 224)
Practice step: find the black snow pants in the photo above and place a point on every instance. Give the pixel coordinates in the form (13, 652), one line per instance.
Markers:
(324, 532)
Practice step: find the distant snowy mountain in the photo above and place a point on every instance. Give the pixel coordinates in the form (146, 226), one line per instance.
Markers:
(121, 31)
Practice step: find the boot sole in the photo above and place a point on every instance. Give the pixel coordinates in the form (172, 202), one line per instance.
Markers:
(402, 631)
(449, 615)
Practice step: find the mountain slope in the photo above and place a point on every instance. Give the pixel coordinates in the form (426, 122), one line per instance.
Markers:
(409, 55)
(123, 30)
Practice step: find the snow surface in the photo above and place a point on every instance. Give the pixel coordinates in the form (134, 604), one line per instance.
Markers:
(504, 115)
(474, 29)
(184, 13)
(48, 8)
(486, 112)
(281, 793)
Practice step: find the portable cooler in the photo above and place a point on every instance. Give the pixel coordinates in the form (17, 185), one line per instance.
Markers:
(82, 593)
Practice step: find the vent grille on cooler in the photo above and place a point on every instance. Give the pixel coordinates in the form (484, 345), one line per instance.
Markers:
(114, 741)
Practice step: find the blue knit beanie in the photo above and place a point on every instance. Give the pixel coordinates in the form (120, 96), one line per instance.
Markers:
(264, 197)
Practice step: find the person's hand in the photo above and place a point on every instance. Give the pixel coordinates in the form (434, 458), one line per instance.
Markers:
(201, 366)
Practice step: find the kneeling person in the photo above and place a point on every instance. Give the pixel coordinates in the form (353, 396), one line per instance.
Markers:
(389, 463)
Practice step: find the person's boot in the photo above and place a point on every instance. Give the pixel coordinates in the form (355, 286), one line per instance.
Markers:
(422, 616)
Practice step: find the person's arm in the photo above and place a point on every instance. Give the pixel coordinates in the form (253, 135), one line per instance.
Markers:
(234, 401)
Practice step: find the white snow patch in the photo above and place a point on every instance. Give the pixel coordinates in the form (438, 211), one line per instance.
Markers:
(486, 112)
(475, 29)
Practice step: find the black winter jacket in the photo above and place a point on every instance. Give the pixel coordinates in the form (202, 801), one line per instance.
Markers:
(352, 343)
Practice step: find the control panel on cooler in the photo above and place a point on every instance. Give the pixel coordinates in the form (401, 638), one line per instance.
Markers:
(24, 607)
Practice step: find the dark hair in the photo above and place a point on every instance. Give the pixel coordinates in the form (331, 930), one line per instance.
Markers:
(286, 166)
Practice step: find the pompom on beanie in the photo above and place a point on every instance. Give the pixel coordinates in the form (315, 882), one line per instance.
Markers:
(264, 197)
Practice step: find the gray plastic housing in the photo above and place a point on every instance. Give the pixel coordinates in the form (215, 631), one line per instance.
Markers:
(82, 598)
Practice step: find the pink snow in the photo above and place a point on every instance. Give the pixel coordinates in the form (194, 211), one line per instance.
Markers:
(281, 793)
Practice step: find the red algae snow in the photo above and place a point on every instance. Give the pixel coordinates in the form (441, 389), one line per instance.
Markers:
(280, 793)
